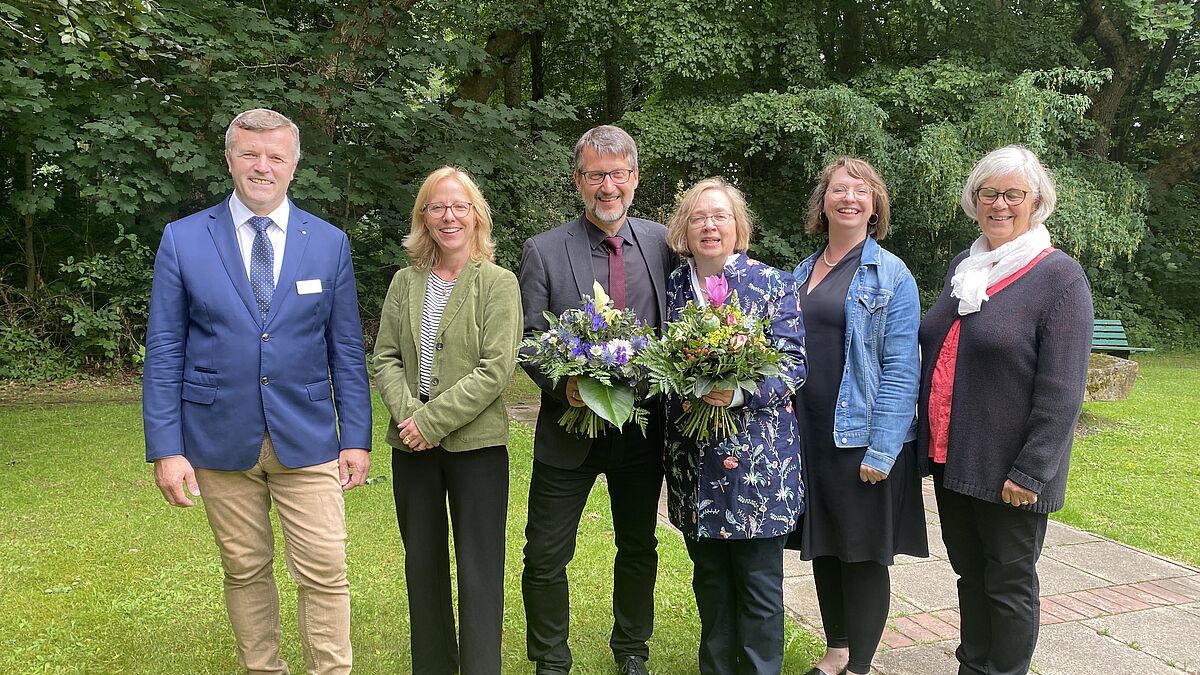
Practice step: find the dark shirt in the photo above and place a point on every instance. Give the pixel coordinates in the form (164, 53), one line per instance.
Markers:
(639, 290)
(824, 312)
(1018, 382)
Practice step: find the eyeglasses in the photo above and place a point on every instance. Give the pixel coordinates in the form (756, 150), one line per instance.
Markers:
(618, 176)
(1011, 197)
(438, 209)
(719, 218)
(840, 191)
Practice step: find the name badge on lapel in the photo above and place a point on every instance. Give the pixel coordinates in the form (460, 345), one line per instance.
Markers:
(307, 286)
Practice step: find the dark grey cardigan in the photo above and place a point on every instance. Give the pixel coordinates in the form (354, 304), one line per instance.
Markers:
(1018, 383)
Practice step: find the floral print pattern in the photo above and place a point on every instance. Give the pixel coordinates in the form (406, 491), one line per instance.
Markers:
(746, 486)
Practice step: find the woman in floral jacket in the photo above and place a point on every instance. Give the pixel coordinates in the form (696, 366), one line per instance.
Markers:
(736, 498)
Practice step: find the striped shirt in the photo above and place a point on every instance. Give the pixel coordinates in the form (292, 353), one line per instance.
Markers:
(437, 292)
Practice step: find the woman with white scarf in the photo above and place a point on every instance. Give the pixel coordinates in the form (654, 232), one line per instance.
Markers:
(1005, 351)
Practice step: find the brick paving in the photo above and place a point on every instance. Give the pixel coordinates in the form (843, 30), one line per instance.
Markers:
(1093, 618)
(1107, 607)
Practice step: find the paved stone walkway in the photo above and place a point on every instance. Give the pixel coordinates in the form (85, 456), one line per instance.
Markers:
(1106, 607)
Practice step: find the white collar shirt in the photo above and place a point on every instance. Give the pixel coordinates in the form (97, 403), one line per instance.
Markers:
(276, 233)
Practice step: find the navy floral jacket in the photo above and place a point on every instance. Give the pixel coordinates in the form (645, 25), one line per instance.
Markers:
(746, 486)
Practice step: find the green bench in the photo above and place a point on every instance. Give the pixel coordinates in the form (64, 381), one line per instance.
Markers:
(1108, 335)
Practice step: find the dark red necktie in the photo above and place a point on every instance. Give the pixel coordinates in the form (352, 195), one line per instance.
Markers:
(616, 271)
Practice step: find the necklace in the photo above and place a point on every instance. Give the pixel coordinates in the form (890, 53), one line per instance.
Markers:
(443, 286)
(825, 258)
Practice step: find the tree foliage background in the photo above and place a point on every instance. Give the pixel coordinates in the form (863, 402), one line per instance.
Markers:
(112, 115)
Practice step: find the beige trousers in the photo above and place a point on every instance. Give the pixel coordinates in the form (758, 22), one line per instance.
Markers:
(310, 507)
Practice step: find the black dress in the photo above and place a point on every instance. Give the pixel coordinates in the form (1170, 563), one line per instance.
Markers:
(844, 517)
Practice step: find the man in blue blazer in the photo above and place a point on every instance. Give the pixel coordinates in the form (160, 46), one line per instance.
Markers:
(630, 258)
(255, 392)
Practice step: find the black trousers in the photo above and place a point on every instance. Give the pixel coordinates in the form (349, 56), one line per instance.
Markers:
(854, 599)
(994, 549)
(476, 484)
(633, 469)
(739, 592)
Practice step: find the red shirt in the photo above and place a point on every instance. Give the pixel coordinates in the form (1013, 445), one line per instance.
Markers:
(941, 385)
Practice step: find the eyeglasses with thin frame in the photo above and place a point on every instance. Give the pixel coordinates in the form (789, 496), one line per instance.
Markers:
(719, 218)
(840, 191)
(438, 209)
(1012, 197)
(618, 176)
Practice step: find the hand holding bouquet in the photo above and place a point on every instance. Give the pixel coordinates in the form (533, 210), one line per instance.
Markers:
(710, 348)
(596, 345)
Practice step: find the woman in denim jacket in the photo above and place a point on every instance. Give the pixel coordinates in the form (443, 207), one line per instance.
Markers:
(857, 413)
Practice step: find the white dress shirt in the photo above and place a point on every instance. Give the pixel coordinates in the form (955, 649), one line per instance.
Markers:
(276, 233)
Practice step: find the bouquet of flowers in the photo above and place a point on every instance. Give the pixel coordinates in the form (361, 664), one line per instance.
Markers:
(708, 348)
(597, 345)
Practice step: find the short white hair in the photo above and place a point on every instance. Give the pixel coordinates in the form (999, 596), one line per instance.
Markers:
(1007, 160)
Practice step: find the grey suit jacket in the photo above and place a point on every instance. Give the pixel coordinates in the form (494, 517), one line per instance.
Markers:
(556, 272)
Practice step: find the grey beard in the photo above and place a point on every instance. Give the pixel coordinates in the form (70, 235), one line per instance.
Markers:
(615, 219)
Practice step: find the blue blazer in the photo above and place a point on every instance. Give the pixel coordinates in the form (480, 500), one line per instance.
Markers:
(217, 376)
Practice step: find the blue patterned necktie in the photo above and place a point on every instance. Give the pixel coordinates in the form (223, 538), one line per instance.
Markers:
(262, 265)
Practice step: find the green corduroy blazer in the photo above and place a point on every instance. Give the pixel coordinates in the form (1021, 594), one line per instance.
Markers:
(473, 361)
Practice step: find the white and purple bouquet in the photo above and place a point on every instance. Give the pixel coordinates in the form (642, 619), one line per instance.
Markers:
(597, 345)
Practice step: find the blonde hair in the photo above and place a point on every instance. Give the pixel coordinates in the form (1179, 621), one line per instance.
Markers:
(421, 246)
(677, 225)
(814, 219)
(262, 119)
(1007, 160)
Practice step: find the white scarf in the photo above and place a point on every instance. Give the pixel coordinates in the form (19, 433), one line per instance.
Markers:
(982, 267)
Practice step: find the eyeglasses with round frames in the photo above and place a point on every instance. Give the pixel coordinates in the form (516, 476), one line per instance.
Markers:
(618, 176)
(1011, 197)
(438, 209)
(719, 218)
(840, 191)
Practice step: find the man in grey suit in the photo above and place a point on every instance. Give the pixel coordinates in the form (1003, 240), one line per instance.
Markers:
(631, 260)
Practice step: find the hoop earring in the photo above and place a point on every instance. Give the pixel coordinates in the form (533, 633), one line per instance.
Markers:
(822, 219)
(873, 221)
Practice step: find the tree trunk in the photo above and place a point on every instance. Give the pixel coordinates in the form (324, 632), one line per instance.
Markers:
(512, 82)
(614, 93)
(1125, 57)
(503, 46)
(537, 72)
(32, 277)
(1182, 164)
(850, 47)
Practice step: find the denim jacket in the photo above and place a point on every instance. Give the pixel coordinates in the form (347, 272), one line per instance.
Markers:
(878, 395)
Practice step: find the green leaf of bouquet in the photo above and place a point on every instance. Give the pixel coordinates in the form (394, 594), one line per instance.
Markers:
(614, 404)
(703, 386)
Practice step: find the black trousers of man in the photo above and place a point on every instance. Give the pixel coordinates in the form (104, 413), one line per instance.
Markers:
(633, 469)
(994, 549)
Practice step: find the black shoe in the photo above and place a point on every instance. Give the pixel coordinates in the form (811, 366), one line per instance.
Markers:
(632, 665)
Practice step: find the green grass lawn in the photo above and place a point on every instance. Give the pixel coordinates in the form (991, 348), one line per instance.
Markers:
(99, 575)
(1135, 475)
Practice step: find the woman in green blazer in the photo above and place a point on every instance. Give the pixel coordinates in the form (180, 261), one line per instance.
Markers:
(446, 349)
